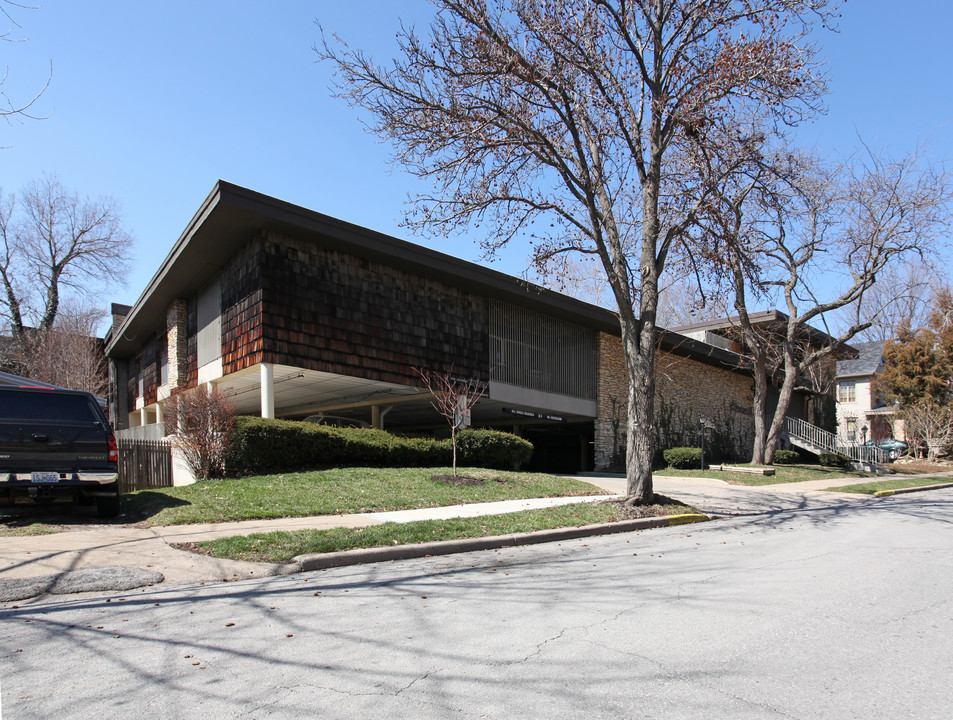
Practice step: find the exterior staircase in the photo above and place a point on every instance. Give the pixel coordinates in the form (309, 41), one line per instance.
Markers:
(815, 440)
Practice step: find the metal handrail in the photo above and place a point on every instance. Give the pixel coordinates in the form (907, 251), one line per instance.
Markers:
(827, 442)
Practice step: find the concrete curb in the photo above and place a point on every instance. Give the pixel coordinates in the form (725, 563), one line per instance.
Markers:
(320, 561)
(920, 488)
(111, 579)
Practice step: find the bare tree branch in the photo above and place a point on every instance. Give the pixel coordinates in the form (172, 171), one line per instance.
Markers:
(803, 220)
(453, 399)
(53, 242)
(575, 122)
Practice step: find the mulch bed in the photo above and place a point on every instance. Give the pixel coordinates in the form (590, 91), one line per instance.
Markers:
(459, 480)
(637, 512)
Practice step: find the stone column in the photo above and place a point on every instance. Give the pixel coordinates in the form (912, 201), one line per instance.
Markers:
(176, 318)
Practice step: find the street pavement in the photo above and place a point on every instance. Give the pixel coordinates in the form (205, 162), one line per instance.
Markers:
(816, 611)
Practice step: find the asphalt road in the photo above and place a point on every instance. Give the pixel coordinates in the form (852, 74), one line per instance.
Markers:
(837, 612)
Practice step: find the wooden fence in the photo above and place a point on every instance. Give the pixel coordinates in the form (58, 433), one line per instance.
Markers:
(144, 464)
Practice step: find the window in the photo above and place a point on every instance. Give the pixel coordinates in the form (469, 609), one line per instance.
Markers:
(846, 391)
(851, 429)
(40, 407)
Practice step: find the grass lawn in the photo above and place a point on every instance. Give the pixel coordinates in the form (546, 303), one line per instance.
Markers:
(918, 467)
(782, 474)
(344, 490)
(892, 484)
(31, 529)
(279, 547)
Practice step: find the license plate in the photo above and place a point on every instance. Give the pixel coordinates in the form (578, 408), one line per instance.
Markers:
(44, 477)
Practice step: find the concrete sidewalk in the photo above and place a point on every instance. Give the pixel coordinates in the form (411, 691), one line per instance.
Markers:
(152, 548)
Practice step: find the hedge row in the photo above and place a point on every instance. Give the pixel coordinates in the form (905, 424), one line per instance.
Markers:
(262, 445)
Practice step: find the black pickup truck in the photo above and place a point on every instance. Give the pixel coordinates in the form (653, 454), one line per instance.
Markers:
(57, 444)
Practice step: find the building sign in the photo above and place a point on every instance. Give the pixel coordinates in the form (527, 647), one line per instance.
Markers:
(531, 414)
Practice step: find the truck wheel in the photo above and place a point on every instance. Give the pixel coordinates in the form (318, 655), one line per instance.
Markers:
(108, 506)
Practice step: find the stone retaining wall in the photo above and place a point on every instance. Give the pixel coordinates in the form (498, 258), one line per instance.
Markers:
(685, 390)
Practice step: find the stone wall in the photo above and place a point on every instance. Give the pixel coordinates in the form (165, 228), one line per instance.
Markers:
(685, 390)
(176, 316)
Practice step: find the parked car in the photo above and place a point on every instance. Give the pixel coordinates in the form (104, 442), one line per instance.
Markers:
(336, 421)
(895, 448)
(54, 444)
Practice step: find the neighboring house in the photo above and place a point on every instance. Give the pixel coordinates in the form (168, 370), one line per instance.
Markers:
(861, 414)
(292, 313)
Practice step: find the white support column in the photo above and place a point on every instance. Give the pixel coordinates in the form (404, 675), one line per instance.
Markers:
(143, 416)
(267, 390)
(378, 413)
(159, 416)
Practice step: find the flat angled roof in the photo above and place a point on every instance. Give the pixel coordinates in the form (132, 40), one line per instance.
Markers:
(764, 317)
(232, 215)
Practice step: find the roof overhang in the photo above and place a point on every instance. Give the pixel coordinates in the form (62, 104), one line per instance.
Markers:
(232, 215)
(774, 320)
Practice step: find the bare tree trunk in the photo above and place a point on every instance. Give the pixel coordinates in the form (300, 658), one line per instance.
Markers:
(640, 434)
(453, 442)
(784, 398)
(759, 451)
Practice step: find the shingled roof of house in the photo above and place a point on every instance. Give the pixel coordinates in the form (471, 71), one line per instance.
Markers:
(867, 362)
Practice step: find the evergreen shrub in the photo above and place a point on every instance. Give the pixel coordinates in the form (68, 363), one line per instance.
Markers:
(786, 457)
(834, 460)
(683, 458)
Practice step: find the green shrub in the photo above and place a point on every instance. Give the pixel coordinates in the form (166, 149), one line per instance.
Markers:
(786, 457)
(492, 448)
(683, 458)
(262, 445)
(834, 460)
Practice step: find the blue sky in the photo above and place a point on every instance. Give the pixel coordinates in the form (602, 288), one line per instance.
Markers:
(153, 102)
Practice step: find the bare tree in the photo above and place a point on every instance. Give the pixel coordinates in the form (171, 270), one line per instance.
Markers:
(8, 108)
(68, 355)
(570, 121)
(578, 276)
(54, 242)
(785, 222)
(201, 422)
(453, 399)
(682, 303)
(899, 298)
(928, 424)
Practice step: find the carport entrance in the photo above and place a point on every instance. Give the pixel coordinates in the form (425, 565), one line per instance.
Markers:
(560, 448)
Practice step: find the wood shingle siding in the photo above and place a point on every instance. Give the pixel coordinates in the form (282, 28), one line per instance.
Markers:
(241, 310)
(326, 310)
